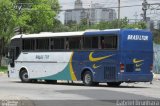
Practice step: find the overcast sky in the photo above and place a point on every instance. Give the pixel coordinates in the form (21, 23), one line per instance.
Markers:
(130, 12)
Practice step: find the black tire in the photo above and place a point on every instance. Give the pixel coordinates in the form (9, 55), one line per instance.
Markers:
(24, 76)
(114, 84)
(88, 79)
(34, 81)
(95, 83)
(51, 81)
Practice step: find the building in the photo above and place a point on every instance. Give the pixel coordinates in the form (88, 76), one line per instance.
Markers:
(151, 25)
(78, 4)
(158, 25)
(95, 14)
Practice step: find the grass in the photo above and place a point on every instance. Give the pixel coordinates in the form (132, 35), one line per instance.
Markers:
(3, 69)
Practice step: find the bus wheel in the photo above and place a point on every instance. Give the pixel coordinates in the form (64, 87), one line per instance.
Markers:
(34, 81)
(95, 83)
(114, 84)
(88, 79)
(51, 81)
(24, 76)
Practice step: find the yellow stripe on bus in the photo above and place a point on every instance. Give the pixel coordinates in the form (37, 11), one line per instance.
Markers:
(71, 69)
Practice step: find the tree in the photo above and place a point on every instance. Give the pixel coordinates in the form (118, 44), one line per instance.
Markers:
(37, 15)
(59, 27)
(139, 25)
(156, 36)
(29, 16)
(7, 23)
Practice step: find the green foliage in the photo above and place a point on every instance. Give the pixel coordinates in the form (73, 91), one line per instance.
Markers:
(31, 16)
(139, 25)
(156, 36)
(123, 23)
(27, 16)
(7, 23)
(42, 18)
(7, 19)
(59, 27)
(37, 15)
(3, 69)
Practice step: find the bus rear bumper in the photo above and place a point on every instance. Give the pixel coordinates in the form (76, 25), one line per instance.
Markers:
(135, 78)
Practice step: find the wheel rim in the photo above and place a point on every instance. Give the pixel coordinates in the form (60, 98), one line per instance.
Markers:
(87, 78)
(25, 76)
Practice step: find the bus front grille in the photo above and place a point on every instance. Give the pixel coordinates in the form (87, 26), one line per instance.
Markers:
(110, 73)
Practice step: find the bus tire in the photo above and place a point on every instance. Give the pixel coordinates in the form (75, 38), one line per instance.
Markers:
(51, 81)
(34, 81)
(95, 83)
(24, 76)
(114, 84)
(88, 79)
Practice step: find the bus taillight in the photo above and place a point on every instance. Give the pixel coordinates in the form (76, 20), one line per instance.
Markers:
(122, 67)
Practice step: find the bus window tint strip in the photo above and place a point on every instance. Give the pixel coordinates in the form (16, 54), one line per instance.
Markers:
(106, 42)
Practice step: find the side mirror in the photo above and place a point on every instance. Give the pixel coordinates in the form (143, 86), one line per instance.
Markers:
(7, 57)
(11, 62)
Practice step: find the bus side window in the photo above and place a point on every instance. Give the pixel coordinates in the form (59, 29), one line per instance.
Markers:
(52, 44)
(81, 43)
(12, 57)
(17, 52)
(59, 43)
(28, 44)
(42, 44)
(74, 43)
(109, 42)
(102, 43)
(67, 44)
(91, 42)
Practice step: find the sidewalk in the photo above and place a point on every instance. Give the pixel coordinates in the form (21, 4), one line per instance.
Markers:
(156, 76)
(2, 74)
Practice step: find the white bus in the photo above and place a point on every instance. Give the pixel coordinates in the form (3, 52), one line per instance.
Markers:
(107, 56)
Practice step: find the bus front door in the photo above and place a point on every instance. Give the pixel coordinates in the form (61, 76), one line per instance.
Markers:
(12, 57)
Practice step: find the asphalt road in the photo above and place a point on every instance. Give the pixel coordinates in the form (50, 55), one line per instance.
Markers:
(63, 94)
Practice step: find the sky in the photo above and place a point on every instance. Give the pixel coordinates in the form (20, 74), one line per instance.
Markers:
(130, 12)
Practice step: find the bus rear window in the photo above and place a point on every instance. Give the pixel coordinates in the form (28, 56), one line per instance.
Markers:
(109, 42)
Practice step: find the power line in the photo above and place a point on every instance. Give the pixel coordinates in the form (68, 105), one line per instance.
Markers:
(99, 8)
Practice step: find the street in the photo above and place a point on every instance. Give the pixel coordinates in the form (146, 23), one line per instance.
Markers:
(71, 94)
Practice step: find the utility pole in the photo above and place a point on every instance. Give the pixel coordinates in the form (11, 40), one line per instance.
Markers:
(89, 14)
(144, 8)
(118, 13)
(136, 15)
(19, 8)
